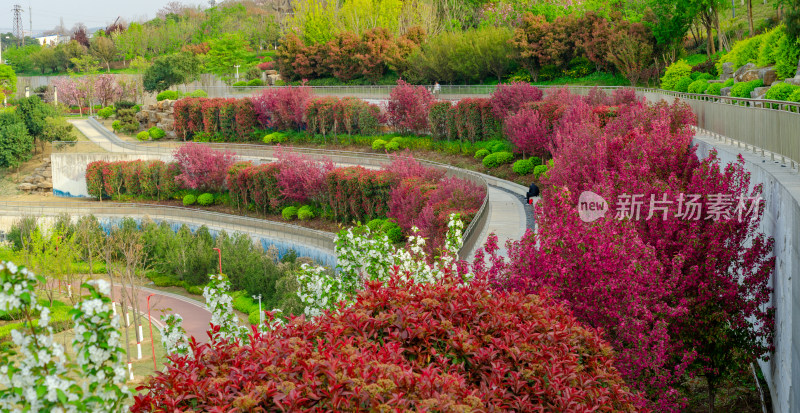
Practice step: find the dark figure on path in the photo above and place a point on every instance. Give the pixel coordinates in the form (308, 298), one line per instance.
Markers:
(533, 191)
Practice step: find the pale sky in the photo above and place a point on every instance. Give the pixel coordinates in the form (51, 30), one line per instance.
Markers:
(47, 13)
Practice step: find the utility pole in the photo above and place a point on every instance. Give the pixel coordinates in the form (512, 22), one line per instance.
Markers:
(18, 27)
(30, 19)
(237, 72)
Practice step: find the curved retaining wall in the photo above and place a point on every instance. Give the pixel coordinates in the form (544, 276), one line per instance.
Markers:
(261, 153)
(317, 245)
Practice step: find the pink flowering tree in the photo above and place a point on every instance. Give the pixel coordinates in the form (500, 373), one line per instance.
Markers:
(202, 167)
(408, 107)
(106, 89)
(69, 92)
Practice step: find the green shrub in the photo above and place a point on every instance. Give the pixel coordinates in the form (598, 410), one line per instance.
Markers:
(393, 231)
(768, 52)
(189, 200)
(714, 89)
(106, 112)
(728, 83)
(743, 52)
(123, 104)
(143, 136)
(786, 57)
(205, 199)
(255, 82)
(401, 142)
(199, 93)
(674, 73)
(156, 133)
(780, 91)
(392, 146)
(195, 289)
(275, 137)
(375, 224)
(705, 76)
(490, 160)
(535, 160)
(305, 213)
(378, 145)
(254, 318)
(289, 213)
(795, 96)
(698, 86)
(504, 157)
(522, 167)
(168, 95)
(539, 170)
(116, 125)
(743, 89)
(500, 147)
(694, 75)
(241, 83)
(683, 84)
(481, 153)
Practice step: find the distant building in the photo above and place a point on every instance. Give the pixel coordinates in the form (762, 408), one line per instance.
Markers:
(52, 40)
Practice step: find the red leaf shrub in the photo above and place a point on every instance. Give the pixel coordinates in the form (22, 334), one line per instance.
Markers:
(202, 167)
(402, 346)
(257, 186)
(94, 179)
(301, 179)
(320, 115)
(246, 119)
(597, 97)
(408, 107)
(439, 117)
(623, 96)
(403, 165)
(529, 132)
(152, 179)
(358, 194)
(509, 98)
(407, 200)
(282, 108)
(266, 65)
(451, 196)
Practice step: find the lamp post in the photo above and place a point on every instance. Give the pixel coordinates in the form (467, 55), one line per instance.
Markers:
(219, 253)
(260, 314)
(152, 341)
(237, 72)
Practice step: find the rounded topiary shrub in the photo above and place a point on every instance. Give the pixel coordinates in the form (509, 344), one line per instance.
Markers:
(116, 125)
(275, 137)
(535, 160)
(289, 213)
(683, 84)
(522, 167)
(168, 95)
(481, 153)
(780, 91)
(499, 147)
(392, 146)
(698, 86)
(393, 231)
(199, 93)
(106, 112)
(490, 160)
(504, 157)
(205, 199)
(743, 89)
(189, 199)
(305, 213)
(714, 89)
(143, 136)
(378, 145)
(255, 82)
(156, 133)
(539, 170)
(241, 83)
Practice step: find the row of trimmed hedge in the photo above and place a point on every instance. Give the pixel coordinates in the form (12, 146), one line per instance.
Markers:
(150, 179)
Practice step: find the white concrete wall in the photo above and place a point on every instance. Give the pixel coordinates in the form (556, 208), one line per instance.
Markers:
(69, 169)
(781, 221)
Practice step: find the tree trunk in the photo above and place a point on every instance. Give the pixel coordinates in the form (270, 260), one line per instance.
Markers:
(750, 16)
(711, 395)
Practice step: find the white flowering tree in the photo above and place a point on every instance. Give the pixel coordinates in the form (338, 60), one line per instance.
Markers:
(365, 256)
(174, 336)
(36, 375)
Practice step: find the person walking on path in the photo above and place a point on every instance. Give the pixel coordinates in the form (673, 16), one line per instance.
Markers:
(436, 89)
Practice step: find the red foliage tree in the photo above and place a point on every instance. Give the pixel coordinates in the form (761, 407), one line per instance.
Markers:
(529, 132)
(282, 108)
(509, 98)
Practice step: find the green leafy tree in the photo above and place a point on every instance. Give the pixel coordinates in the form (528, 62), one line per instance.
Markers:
(34, 114)
(45, 58)
(8, 81)
(227, 52)
(104, 49)
(16, 145)
(171, 70)
(85, 64)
